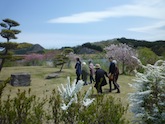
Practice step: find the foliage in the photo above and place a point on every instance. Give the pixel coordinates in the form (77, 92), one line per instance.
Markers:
(148, 101)
(79, 109)
(62, 58)
(69, 94)
(34, 59)
(8, 34)
(147, 56)
(24, 45)
(49, 55)
(10, 59)
(123, 54)
(93, 46)
(9, 45)
(22, 109)
(25, 108)
(158, 47)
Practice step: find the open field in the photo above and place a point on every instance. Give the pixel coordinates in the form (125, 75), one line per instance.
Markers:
(42, 87)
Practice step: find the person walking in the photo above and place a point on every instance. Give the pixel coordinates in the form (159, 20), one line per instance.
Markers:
(111, 76)
(92, 71)
(85, 73)
(100, 78)
(116, 75)
(78, 69)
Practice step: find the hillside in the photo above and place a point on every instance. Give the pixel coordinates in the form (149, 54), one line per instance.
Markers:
(156, 46)
(25, 48)
(92, 48)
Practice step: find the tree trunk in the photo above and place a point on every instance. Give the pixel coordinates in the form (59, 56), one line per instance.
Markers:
(3, 59)
(123, 64)
(61, 67)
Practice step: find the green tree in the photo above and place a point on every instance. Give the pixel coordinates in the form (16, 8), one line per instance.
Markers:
(62, 58)
(147, 56)
(8, 33)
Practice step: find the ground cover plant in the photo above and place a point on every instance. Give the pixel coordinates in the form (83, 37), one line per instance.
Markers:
(47, 90)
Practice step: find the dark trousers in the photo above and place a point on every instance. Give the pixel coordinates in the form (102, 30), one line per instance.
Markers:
(78, 77)
(91, 79)
(99, 89)
(116, 86)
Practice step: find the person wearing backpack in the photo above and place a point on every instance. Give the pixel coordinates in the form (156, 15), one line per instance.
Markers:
(112, 76)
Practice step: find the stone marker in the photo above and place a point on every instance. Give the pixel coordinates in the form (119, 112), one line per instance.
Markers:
(20, 79)
(53, 75)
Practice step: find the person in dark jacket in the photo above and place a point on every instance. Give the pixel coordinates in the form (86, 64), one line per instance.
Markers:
(100, 78)
(78, 69)
(112, 69)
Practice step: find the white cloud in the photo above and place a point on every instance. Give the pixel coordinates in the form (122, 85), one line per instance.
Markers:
(152, 32)
(151, 28)
(153, 10)
(81, 18)
(140, 8)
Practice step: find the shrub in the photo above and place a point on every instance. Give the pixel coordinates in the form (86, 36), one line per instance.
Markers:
(67, 105)
(22, 109)
(34, 59)
(80, 109)
(148, 102)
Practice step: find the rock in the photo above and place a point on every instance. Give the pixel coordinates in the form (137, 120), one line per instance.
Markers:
(53, 75)
(20, 79)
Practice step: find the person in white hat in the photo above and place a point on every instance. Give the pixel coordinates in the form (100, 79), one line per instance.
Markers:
(85, 73)
(112, 75)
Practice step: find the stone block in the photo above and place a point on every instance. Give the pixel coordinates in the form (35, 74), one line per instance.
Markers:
(20, 79)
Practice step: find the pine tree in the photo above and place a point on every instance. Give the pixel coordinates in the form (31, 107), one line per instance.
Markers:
(8, 34)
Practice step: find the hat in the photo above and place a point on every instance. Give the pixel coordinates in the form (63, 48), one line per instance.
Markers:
(114, 61)
(84, 63)
(97, 66)
(110, 57)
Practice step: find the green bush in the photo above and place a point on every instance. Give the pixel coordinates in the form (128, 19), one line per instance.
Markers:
(22, 109)
(25, 108)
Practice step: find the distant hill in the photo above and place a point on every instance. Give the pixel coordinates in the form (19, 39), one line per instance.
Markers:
(25, 48)
(157, 46)
(91, 48)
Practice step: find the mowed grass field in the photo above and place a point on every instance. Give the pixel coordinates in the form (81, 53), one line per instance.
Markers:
(42, 87)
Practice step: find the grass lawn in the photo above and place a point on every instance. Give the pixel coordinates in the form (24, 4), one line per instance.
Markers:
(42, 87)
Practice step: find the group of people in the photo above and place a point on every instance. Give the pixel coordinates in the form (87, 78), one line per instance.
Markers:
(83, 71)
(100, 75)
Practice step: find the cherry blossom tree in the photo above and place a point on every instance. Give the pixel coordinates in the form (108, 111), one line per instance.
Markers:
(123, 54)
(34, 59)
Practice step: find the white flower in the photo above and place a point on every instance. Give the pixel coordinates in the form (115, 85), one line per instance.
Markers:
(147, 83)
(69, 94)
(86, 100)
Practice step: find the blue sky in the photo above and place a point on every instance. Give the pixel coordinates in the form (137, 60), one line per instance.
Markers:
(60, 23)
